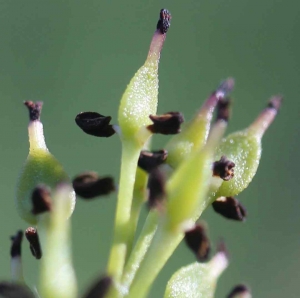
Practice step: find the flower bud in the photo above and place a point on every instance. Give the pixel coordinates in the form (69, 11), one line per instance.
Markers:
(140, 98)
(40, 167)
(197, 279)
(243, 148)
(188, 186)
(194, 135)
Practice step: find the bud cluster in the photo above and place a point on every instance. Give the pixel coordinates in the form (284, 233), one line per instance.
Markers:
(197, 168)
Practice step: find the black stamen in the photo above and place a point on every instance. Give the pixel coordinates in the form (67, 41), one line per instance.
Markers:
(166, 124)
(224, 168)
(156, 185)
(15, 250)
(239, 291)
(35, 109)
(41, 200)
(230, 208)
(95, 124)
(148, 160)
(164, 21)
(100, 288)
(88, 185)
(275, 102)
(197, 240)
(33, 239)
(223, 109)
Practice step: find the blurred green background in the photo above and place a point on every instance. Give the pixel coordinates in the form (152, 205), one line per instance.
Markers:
(79, 56)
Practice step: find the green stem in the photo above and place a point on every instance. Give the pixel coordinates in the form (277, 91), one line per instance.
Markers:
(145, 263)
(119, 250)
(57, 277)
(139, 197)
(162, 247)
(140, 249)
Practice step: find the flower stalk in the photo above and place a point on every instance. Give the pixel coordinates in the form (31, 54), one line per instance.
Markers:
(138, 102)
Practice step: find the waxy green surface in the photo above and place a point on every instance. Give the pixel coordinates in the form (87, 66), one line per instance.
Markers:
(193, 281)
(40, 167)
(139, 100)
(244, 149)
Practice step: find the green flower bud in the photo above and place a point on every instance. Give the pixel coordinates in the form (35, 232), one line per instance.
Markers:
(139, 100)
(243, 148)
(40, 167)
(197, 279)
(188, 186)
(194, 135)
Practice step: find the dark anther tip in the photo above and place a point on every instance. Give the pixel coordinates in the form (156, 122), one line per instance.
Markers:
(41, 200)
(223, 109)
(148, 160)
(15, 249)
(35, 109)
(240, 291)
(166, 124)
(100, 288)
(95, 124)
(89, 185)
(275, 102)
(230, 208)
(14, 290)
(226, 87)
(224, 168)
(197, 240)
(156, 186)
(34, 241)
(163, 23)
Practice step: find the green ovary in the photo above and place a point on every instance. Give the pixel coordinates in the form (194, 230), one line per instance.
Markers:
(40, 168)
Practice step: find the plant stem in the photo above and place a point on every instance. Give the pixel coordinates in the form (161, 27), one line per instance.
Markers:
(140, 248)
(162, 247)
(139, 197)
(168, 235)
(57, 277)
(119, 250)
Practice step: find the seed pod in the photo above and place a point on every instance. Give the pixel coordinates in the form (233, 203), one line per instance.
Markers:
(243, 148)
(40, 167)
